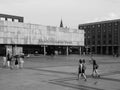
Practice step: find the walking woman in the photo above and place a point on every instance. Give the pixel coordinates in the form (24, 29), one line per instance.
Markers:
(81, 69)
(95, 69)
(84, 68)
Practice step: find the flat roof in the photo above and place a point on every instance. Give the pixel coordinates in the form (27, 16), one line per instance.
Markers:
(99, 22)
(11, 16)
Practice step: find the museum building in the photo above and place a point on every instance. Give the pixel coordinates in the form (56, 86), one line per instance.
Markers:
(17, 36)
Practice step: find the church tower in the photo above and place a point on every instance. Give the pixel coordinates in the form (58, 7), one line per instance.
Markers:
(61, 23)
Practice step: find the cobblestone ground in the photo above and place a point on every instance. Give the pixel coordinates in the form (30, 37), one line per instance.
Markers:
(60, 73)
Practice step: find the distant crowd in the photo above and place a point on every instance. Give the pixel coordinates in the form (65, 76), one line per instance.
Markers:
(13, 61)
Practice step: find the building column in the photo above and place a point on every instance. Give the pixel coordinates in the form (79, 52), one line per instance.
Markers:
(95, 49)
(113, 51)
(118, 50)
(80, 50)
(107, 50)
(101, 50)
(44, 50)
(67, 52)
(90, 49)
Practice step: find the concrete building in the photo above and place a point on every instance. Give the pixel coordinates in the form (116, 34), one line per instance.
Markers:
(102, 37)
(13, 18)
(38, 39)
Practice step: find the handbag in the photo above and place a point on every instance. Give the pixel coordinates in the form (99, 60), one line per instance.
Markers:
(96, 66)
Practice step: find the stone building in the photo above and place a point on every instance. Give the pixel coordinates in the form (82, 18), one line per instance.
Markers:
(102, 37)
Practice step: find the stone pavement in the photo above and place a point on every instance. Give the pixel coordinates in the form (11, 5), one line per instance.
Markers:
(60, 73)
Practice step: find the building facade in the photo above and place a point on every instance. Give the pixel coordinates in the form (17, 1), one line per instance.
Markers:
(33, 38)
(102, 37)
(12, 18)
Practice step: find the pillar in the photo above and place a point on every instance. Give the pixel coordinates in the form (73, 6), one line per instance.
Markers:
(101, 50)
(44, 50)
(113, 51)
(80, 50)
(118, 50)
(95, 49)
(107, 50)
(67, 51)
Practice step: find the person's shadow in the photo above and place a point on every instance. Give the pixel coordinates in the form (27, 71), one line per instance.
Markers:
(95, 83)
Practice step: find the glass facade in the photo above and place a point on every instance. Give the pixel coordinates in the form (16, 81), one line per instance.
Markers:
(34, 34)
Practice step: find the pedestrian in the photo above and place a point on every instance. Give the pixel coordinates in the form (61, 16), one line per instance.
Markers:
(81, 69)
(21, 60)
(95, 68)
(9, 60)
(16, 61)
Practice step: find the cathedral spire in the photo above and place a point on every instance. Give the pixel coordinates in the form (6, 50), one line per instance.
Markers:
(61, 23)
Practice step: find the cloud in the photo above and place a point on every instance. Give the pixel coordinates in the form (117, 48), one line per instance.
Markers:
(110, 16)
(113, 16)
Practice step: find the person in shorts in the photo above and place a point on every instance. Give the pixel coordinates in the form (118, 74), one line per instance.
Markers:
(81, 69)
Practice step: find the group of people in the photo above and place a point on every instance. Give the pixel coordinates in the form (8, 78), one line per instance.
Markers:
(13, 61)
(82, 68)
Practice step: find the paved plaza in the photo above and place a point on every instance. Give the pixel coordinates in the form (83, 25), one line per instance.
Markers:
(60, 73)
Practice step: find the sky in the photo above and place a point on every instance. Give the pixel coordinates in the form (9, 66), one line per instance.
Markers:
(72, 12)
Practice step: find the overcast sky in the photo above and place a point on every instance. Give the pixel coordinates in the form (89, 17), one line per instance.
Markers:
(72, 12)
